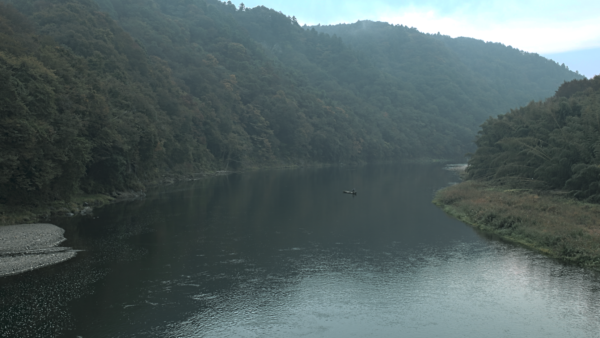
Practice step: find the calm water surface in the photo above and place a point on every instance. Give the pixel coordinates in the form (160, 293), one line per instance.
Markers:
(286, 254)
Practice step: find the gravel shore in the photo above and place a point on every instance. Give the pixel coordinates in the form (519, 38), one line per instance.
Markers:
(31, 246)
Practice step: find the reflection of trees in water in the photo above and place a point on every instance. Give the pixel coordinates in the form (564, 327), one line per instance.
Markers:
(246, 215)
(256, 237)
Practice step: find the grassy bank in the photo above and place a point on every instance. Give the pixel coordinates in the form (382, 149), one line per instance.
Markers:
(557, 226)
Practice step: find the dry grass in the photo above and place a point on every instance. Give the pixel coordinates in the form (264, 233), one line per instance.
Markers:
(560, 227)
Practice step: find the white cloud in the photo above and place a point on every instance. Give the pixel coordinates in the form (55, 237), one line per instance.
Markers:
(532, 34)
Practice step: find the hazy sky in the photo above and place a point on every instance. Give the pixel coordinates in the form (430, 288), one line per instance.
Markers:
(566, 31)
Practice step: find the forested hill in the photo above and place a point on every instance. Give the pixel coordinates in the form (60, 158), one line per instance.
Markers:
(466, 75)
(546, 145)
(106, 95)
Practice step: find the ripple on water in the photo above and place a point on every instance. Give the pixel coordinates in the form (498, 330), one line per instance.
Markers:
(381, 265)
(428, 292)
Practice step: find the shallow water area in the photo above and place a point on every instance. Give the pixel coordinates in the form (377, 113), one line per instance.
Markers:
(283, 253)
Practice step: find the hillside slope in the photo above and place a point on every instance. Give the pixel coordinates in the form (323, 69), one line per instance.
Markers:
(106, 95)
(417, 99)
(86, 110)
(467, 76)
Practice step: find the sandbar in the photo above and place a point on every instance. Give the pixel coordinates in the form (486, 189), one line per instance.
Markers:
(27, 247)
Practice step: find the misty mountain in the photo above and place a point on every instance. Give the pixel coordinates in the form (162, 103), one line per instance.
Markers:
(489, 77)
(106, 95)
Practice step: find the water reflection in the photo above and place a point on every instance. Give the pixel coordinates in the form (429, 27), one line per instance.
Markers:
(286, 254)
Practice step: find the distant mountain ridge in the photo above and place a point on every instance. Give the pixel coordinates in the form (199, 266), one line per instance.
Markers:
(493, 76)
(138, 88)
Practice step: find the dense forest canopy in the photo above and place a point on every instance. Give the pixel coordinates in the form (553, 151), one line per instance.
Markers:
(104, 95)
(553, 144)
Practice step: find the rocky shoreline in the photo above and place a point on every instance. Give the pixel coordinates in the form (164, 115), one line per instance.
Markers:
(27, 247)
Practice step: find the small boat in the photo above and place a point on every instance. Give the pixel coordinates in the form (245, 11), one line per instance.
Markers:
(351, 192)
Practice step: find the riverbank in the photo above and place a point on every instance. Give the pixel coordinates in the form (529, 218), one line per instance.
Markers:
(558, 226)
(84, 204)
(28, 247)
(79, 204)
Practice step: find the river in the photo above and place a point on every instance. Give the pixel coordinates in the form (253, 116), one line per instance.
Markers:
(283, 253)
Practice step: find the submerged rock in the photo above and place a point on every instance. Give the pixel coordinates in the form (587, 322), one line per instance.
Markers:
(31, 246)
(86, 211)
